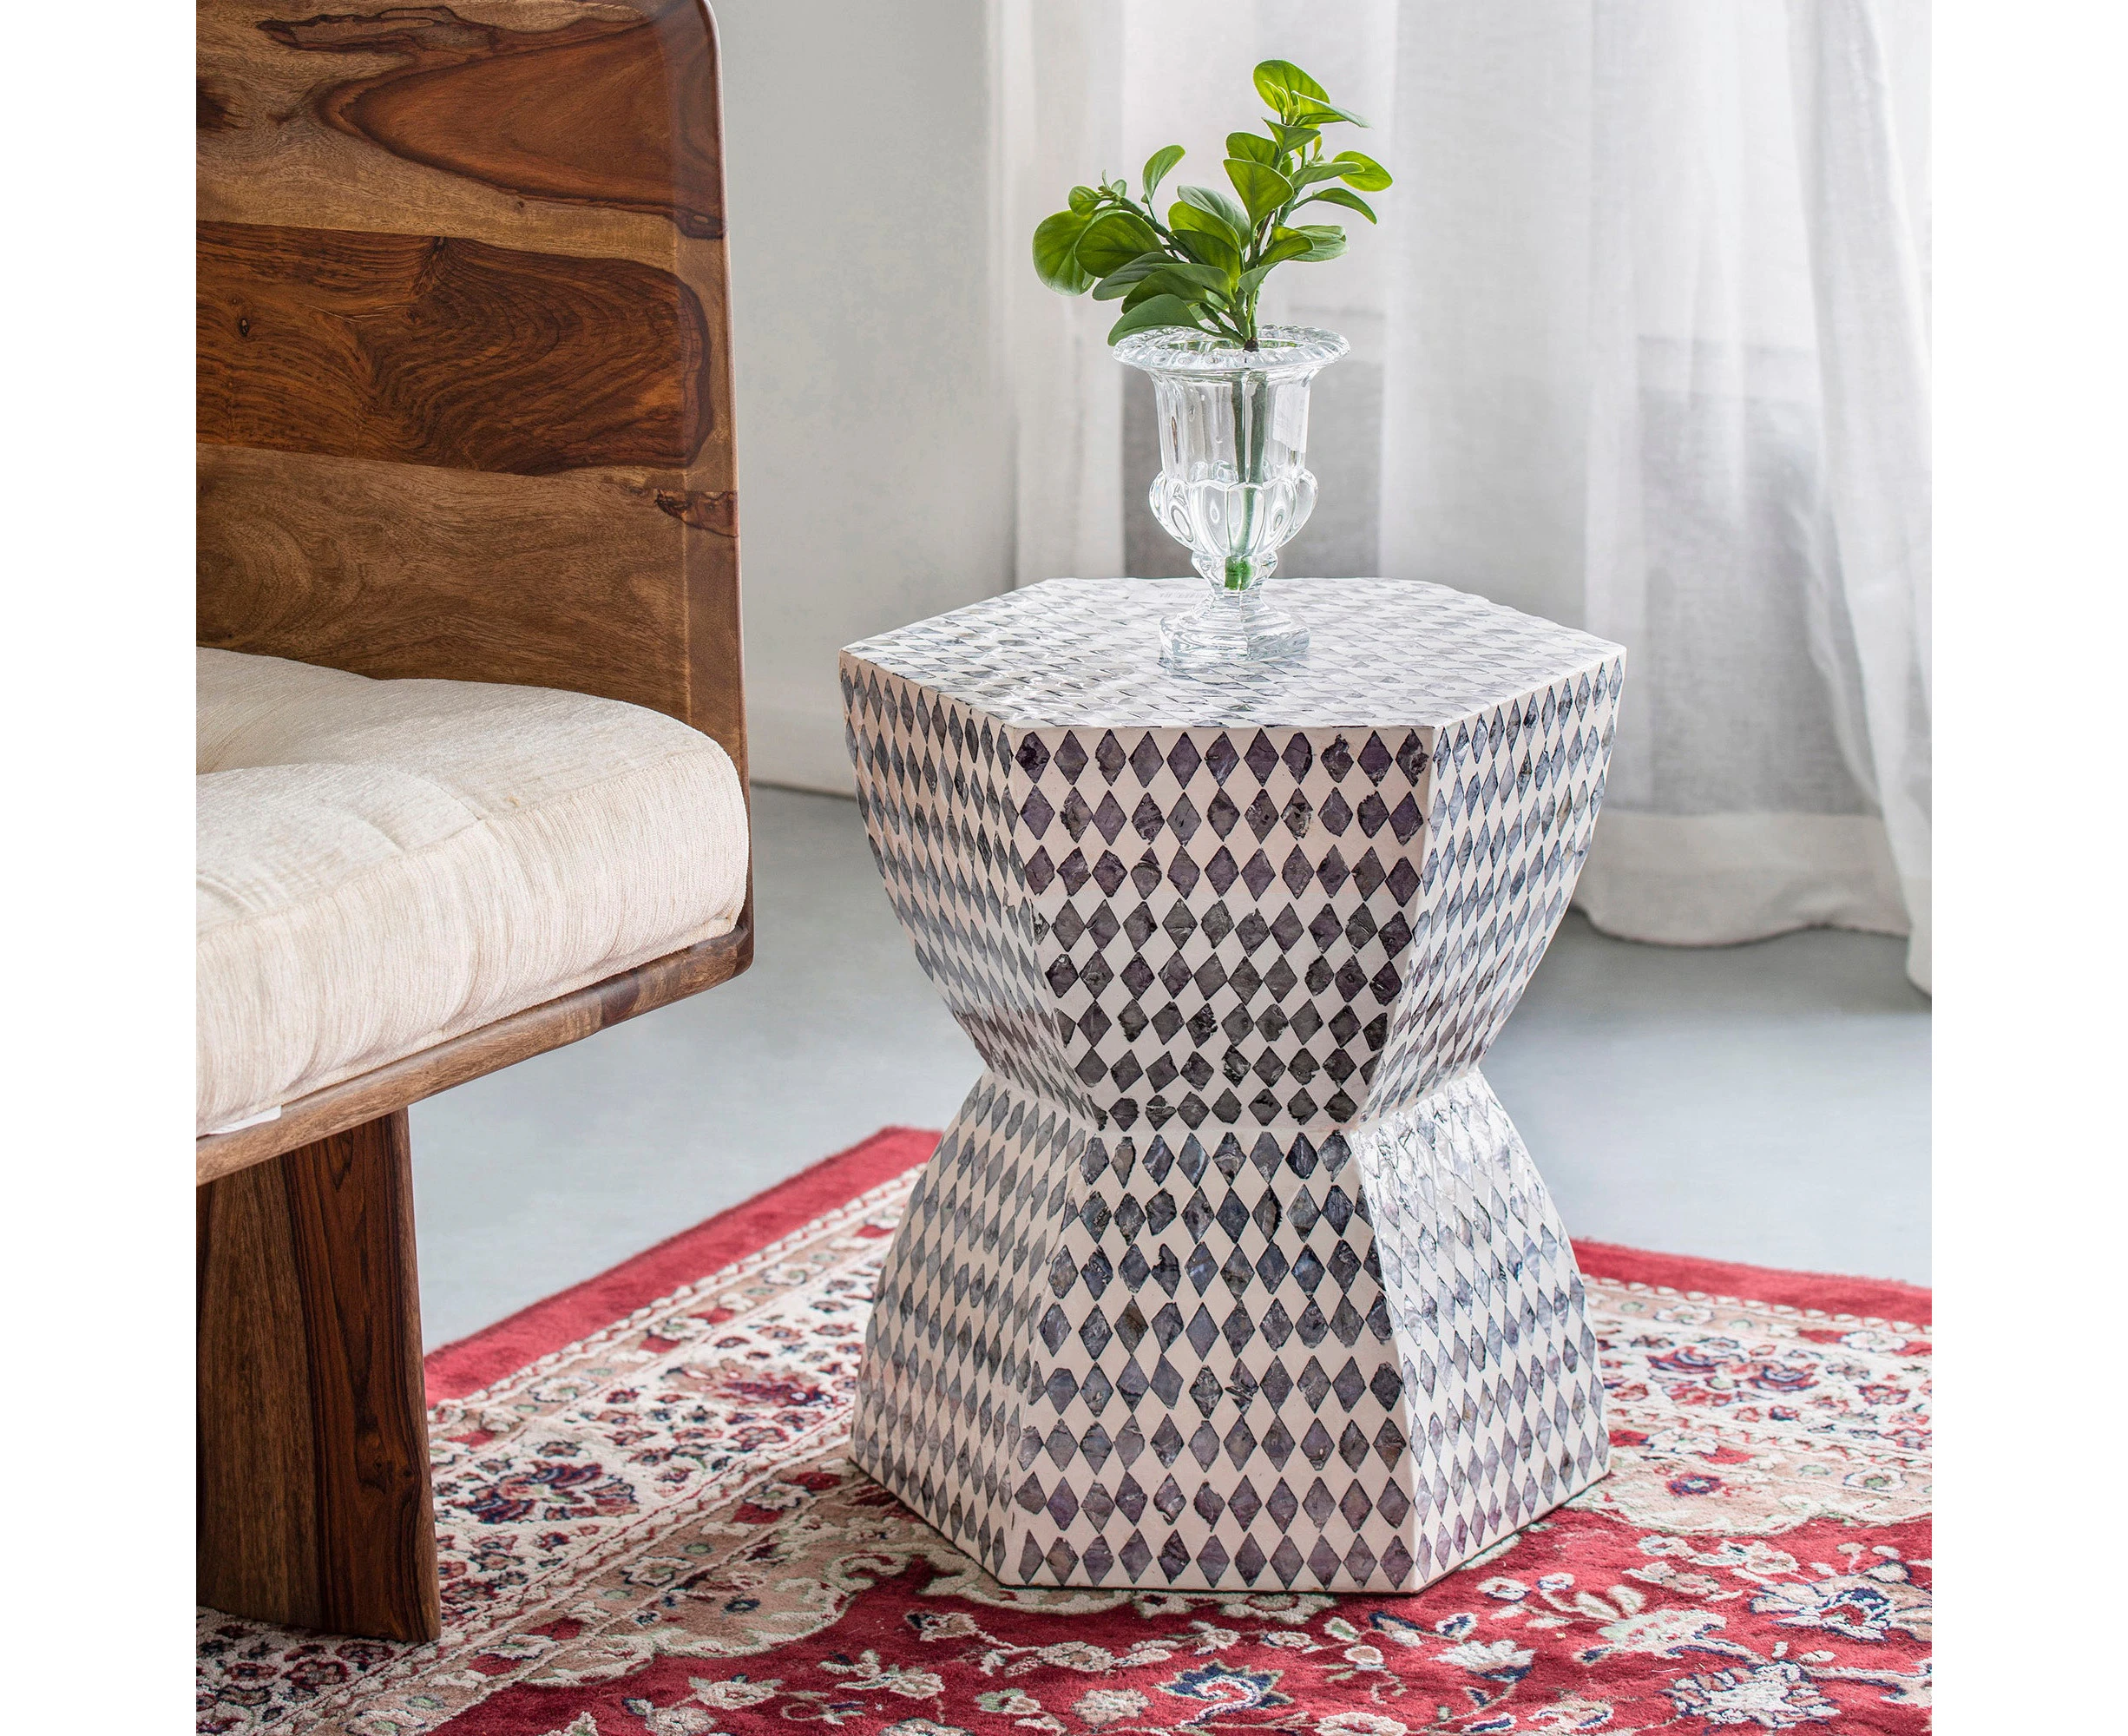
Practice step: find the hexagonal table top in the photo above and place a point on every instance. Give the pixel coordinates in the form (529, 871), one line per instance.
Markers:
(1077, 653)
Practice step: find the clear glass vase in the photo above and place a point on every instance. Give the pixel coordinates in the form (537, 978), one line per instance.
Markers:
(1234, 486)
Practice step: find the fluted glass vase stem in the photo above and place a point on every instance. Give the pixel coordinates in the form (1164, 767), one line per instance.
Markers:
(1252, 406)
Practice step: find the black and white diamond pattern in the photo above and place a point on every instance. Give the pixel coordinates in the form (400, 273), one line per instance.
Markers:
(1231, 1271)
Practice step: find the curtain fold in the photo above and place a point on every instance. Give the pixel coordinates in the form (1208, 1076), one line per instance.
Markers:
(1858, 75)
(1059, 108)
(1642, 344)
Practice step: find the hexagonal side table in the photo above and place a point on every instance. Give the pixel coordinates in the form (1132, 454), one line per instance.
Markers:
(1230, 1271)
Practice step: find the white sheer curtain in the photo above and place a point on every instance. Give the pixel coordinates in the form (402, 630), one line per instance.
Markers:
(1642, 344)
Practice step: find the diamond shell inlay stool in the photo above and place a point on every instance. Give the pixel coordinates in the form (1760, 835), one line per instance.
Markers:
(1231, 1270)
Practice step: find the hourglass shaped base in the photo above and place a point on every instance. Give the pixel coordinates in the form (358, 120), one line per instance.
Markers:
(1231, 1272)
(1230, 627)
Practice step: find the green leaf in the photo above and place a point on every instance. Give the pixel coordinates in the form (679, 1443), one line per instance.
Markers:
(1158, 165)
(1214, 203)
(1160, 310)
(1285, 244)
(1285, 87)
(1188, 220)
(1207, 240)
(1056, 246)
(1124, 277)
(1337, 196)
(1083, 199)
(1362, 172)
(1308, 174)
(1326, 242)
(1115, 239)
(1182, 288)
(1292, 140)
(1187, 278)
(1262, 189)
(1323, 114)
(1191, 282)
(1253, 147)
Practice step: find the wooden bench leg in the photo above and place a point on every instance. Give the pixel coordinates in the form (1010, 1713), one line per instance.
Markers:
(314, 1505)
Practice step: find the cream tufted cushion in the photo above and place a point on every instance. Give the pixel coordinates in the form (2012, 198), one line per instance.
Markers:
(384, 865)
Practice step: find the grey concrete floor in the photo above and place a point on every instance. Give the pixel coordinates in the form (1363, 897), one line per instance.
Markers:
(1766, 1103)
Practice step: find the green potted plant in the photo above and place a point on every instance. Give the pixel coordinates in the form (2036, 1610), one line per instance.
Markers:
(1233, 395)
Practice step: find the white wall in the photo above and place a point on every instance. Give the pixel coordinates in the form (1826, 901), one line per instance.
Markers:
(875, 456)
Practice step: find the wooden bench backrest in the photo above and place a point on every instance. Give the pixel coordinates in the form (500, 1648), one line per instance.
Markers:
(465, 375)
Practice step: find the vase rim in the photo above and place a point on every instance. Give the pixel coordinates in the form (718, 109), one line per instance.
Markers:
(1183, 350)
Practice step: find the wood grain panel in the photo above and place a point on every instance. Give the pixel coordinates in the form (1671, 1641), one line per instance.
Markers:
(559, 582)
(427, 301)
(431, 351)
(275, 158)
(314, 1500)
(579, 114)
(569, 1019)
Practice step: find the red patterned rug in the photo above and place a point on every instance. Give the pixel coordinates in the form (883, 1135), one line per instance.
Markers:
(648, 1526)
